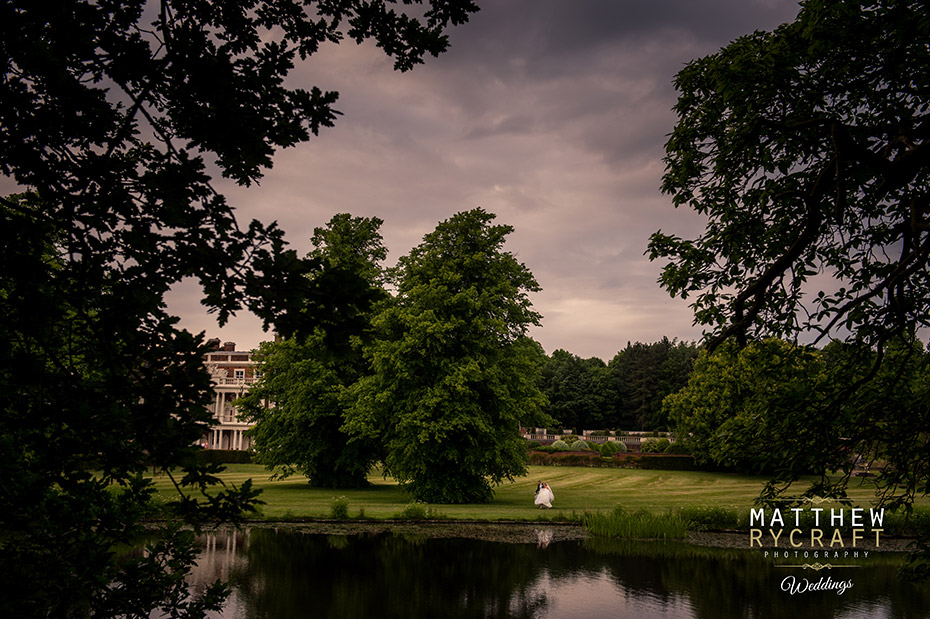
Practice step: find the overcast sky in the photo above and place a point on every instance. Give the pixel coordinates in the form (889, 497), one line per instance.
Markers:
(551, 114)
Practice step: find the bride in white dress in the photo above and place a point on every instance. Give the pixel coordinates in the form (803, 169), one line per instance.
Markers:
(544, 496)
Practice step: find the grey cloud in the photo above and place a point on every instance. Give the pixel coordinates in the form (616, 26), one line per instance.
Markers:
(547, 36)
(552, 115)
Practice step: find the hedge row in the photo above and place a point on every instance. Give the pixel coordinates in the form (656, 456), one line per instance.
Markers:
(226, 456)
(662, 462)
(665, 462)
(569, 458)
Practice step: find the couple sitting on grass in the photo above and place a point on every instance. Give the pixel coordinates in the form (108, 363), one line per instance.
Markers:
(544, 496)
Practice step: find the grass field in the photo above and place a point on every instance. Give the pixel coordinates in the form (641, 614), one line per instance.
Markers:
(577, 489)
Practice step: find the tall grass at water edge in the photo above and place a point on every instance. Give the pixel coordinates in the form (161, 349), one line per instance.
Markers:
(673, 524)
(636, 525)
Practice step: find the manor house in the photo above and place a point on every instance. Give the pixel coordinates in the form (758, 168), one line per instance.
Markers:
(233, 372)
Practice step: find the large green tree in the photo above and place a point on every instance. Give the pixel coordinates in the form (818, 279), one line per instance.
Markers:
(808, 151)
(576, 390)
(742, 407)
(298, 404)
(454, 373)
(786, 410)
(111, 116)
(641, 375)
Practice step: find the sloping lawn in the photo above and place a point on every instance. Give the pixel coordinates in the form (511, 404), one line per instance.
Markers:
(577, 489)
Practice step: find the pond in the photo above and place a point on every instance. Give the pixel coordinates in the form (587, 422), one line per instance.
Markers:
(289, 572)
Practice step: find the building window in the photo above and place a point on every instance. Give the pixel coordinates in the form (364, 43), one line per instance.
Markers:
(239, 373)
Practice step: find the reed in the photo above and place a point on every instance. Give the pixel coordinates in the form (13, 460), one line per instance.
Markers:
(713, 518)
(640, 524)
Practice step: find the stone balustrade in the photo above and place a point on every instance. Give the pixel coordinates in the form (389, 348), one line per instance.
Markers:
(630, 439)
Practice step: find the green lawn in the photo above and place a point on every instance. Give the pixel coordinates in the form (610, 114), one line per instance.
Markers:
(577, 489)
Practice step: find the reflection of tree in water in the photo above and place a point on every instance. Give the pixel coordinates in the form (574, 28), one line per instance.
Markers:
(721, 583)
(291, 575)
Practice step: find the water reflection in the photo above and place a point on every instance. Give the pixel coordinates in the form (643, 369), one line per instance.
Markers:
(280, 574)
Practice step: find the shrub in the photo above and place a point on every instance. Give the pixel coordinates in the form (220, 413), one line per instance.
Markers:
(612, 447)
(580, 446)
(609, 448)
(339, 508)
(679, 448)
(532, 445)
(560, 445)
(654, 445)
(569, 438)
(414, 511)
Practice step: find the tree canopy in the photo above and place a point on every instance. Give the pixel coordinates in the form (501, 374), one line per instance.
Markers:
(298, 403)
(641, 375)
(742, 407)
(773, 407)
(625, 394)
(575, 390)
(112, 116)
(454, 376)
(807, 150)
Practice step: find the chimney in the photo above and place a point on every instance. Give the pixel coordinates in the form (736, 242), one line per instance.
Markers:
(213, 344)
(229, 346)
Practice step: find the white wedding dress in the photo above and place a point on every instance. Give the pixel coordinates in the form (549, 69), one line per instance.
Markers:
(544, 497)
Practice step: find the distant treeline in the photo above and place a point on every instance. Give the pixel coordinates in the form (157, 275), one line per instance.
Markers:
(625, 393)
